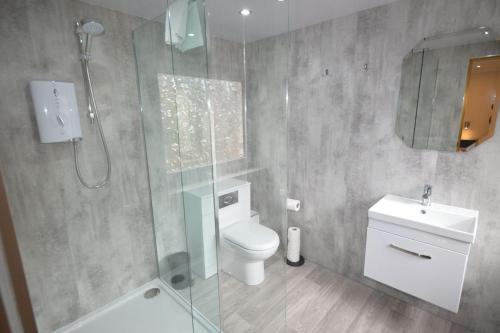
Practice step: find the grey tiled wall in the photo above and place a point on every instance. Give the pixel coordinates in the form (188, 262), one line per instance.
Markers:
(80, 248)
(344, 154)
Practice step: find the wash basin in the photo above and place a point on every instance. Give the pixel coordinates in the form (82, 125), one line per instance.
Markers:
(448, 221)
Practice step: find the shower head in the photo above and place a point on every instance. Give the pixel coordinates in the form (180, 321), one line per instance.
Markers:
(92, 26)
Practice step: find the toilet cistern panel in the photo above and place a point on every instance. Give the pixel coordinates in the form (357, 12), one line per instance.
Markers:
(233, 198)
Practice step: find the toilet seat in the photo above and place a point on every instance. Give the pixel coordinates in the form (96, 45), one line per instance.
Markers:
(251, 236)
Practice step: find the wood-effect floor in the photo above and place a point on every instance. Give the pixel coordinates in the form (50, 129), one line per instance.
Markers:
(318, 300)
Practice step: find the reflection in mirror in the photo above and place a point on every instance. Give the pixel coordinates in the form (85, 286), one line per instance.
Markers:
(434, 113)
(481, 102)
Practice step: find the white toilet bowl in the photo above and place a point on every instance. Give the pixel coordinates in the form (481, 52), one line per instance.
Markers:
(245, 247)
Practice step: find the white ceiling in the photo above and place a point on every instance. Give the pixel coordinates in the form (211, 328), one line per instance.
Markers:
(268, 18)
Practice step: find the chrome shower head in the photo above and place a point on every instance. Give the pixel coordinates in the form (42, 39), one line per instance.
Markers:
(92, 26)
(85, 30)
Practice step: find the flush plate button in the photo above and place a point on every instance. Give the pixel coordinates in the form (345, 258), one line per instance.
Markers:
(228, 199)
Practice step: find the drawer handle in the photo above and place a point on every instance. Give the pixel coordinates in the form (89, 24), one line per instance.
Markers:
(423, 256)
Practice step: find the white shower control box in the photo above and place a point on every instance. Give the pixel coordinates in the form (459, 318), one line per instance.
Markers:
(56, 111)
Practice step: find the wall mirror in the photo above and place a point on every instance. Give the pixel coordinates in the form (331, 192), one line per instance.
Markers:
(450, 91)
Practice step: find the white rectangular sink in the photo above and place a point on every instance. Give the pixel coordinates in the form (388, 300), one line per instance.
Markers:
(420, 250)
(448, 221)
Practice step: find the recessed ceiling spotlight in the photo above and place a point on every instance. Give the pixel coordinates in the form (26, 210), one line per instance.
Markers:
(280, 0)
(486, 32)
(478, 66)
(245, 12)
(190, 34)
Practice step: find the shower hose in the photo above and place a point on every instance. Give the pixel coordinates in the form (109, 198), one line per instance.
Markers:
(94, 112)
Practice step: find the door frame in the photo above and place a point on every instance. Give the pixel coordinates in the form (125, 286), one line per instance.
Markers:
(14, 268)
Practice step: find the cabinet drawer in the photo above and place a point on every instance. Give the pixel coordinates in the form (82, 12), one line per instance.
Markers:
(425, 271)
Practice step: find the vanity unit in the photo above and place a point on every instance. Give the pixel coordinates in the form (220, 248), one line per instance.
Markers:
(420, 250)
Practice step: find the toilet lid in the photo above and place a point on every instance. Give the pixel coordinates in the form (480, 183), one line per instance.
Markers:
(251, 236)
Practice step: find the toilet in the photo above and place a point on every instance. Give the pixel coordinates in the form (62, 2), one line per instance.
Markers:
(245, 243)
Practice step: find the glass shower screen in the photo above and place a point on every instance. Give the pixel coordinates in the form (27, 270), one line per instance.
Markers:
(215, 125)
(175, 98)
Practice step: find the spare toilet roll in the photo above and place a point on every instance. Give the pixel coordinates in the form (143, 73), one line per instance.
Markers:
(292, 204)
(293, 253)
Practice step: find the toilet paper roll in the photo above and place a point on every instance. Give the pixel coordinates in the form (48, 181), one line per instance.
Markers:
(293, 252)
(292, 204)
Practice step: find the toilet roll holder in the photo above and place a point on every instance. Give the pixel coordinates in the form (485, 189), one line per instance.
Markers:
(294, 205)
(297, 263)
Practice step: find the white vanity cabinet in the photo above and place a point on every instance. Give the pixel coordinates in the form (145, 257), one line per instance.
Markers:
(424, 264)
